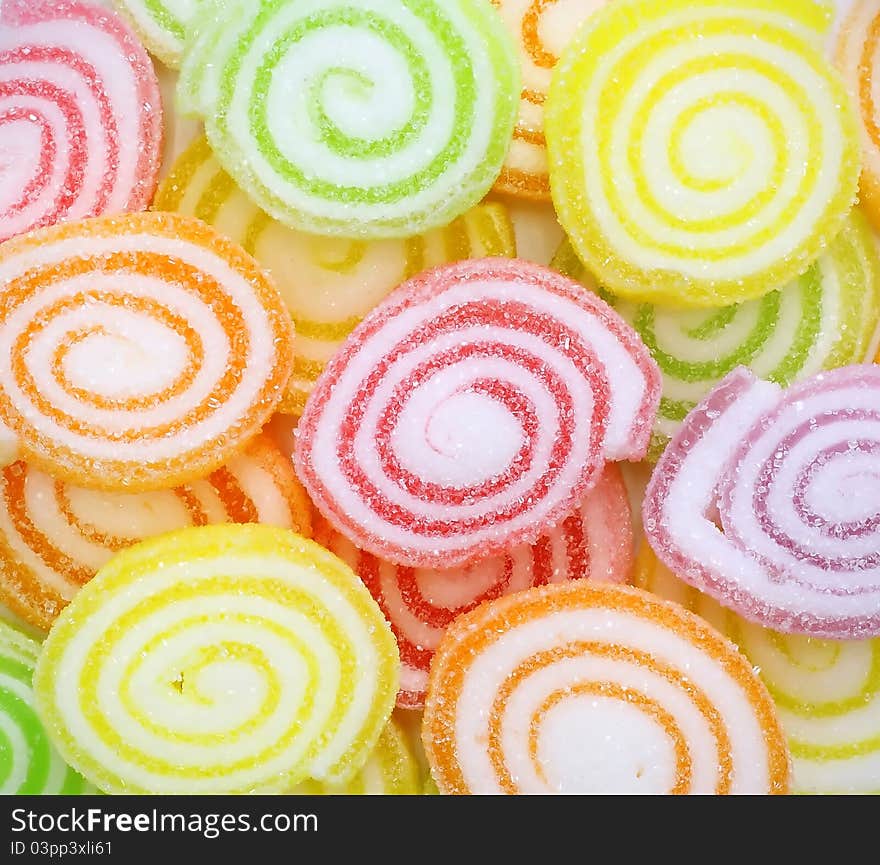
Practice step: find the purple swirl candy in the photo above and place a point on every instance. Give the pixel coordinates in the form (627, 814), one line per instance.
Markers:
(768, 500)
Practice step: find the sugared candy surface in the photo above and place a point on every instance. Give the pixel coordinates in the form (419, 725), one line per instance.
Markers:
(827, 692)
(328, 283)
(766, 499)
(80, 115)
(54, 536)
(471, 410)
(219, 659)
(575, 688)
(137, 352)
(383, 118)
(702, 152)
(594, 542)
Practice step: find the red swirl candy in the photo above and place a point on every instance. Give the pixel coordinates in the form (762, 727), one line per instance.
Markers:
(472, 410)
(80, 115)
(767, 500)
(595, 541)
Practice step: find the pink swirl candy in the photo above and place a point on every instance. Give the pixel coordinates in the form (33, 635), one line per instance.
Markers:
(471, 411)
(768, 500)
(80, 115)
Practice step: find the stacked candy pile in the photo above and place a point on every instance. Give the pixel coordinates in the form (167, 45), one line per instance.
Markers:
(310, 485)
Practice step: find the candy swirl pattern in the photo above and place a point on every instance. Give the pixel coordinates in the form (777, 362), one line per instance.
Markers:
(29, 764)
(221, 659)
(790, 477)
(472, 410)
(858, 58)
(701, 153)
(329, 283)
(161, 24)
(594, 542)
(827, 692)
(540, 29)
(824, 319)
(576, 688)
(140, 352)
(80, 115)
(55, 536)
(401, 116)
(391, 770)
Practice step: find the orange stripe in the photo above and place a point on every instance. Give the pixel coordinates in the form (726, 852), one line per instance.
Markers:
(238, 504)
(58, 458)
(470, 635)
(24, 591)
(616, 653)
(866, 82)
(532, 39)
(633, 698)
(146, 306)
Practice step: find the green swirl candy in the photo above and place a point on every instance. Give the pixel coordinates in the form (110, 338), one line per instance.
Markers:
(28, 762)
(382, 118)
(161, 24)
(824, 319)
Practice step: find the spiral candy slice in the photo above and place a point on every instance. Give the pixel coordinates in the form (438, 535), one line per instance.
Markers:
(541, 29)
(55, 536)
(162, 24)
(80, 115)
(379, 119)
(329, 284)
(595, 541)
(576, 688)
(391, 770)
(29, 764)
(824, 319)
(791, 476)
(218, 659)
(137, 352)
(702, 152)
(827, 692)
(470, 411)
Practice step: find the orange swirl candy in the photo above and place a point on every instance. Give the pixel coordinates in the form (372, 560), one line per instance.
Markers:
(858, 58)
(54, 536)
(137, 352)
(578, 688)
(540, 30)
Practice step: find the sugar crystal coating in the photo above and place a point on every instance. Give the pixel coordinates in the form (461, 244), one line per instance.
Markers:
(138, 352)
(594, 542)
(55, 536)
(80, 115)
(379, 119)
(329, 283)
(162, 24)
(702, 152)
(391, 770)
(220, 659)
(825, 318)
(578, 688)
(29, 764)
(766, 500)
(472, 410)
(540, 29)
(827, 692)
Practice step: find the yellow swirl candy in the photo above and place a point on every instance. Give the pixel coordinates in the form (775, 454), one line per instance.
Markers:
(329, 283)
(827, 693)
(702, 152)
(391, 770)
(220, 659)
